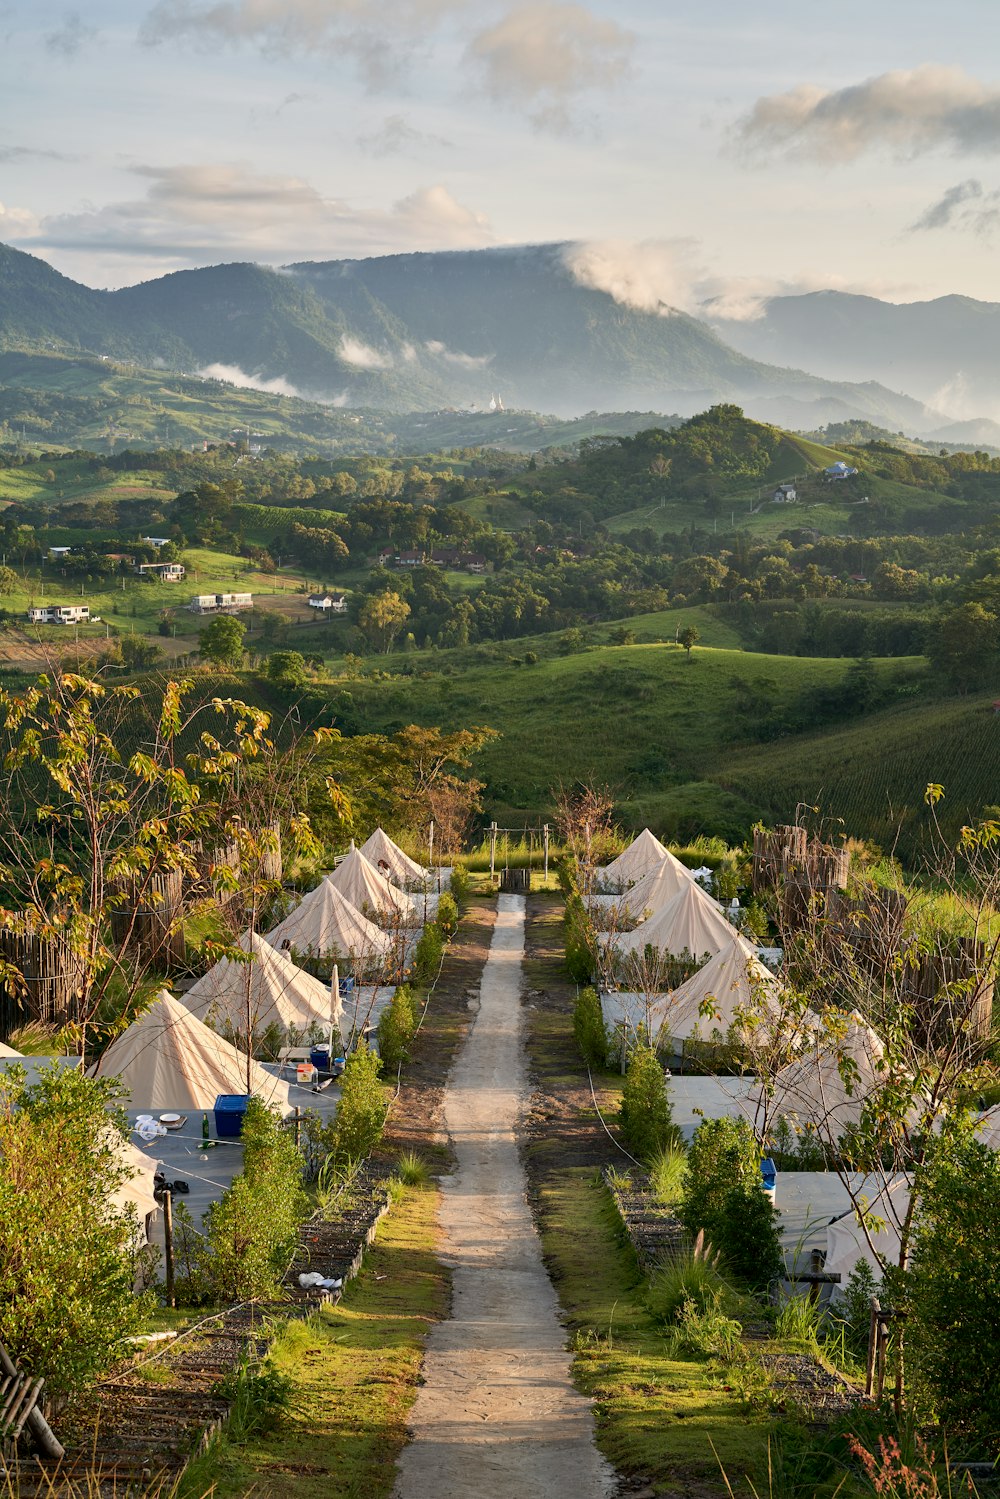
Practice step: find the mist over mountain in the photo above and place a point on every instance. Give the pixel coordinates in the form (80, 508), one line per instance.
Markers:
(944, 352)
(443, 329)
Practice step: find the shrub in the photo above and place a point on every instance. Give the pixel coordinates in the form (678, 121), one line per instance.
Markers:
(67, 1256)
(459, 883)
(361, 1113)
(428, 954)
(396, 1028)
(578, 941)
(252, 1231)
(644, 1112)
(724, 1197)
(258, 1396)
(589, 1028)
(705, 1331)
(447, 915)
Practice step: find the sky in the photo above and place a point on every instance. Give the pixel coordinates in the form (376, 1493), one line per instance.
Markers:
(717, 151)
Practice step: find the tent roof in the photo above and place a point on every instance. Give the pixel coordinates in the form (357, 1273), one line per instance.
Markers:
(734, 979)
(656, 887)
(812, 1090)
(138, 1189)
(358, 879)
(689, 923)
(402, 868)
(847, 1242)
(270, 987)
(642, 855)
(326, 923)
(169, 1059)
(8, 1051)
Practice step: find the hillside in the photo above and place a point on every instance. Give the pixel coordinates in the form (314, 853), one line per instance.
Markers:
(412, 332)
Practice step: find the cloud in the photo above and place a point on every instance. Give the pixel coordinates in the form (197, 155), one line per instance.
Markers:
(193, 213)
(396, 135)
(652, 276)
(452, 356)
(15, 155)
(376, 34)
(362, 356)
(909, 112)
(966, 206)
(546, 54)
(231, 374)
(71, 37)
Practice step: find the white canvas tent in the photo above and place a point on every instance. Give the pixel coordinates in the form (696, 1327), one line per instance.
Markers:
(8, 1051)
(826, 1086)
(690, 923)
(403, 870)
(137, 1190)
(267, 990)
(360, 883)
(169, 1059)
(652, 892)
(847, 1243)
(325, 924)
(643, 854)
(735, 980)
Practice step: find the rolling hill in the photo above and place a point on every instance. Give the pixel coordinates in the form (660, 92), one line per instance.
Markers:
(415, 332)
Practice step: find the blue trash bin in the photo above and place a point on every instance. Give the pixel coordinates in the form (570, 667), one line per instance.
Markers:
(230, 1111)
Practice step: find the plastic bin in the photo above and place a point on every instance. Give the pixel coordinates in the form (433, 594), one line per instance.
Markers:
(320, 1058)
(230, 1110)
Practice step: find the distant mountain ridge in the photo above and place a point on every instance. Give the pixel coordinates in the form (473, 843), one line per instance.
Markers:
(943, 352)
(415, 332)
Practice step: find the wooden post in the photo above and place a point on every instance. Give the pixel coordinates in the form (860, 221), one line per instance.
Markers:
(493, 850)
(872, 1347)
(168, 1246)
(545, 835)
(297, 1125)
(816, 1267)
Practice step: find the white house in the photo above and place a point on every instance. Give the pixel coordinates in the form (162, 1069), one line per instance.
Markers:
(59, 614)
(155, 541)
(220, 603)
(784, 494)
(329, 603)
(56, 554)
(161, 572)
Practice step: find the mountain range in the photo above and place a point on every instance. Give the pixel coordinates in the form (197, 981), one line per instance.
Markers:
(454, 329)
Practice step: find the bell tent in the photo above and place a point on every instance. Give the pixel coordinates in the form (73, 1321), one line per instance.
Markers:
(734, 983)
(379, 849)
(643, 854)
(360, 883)
(824, 1089)
(691, 923)
(325, 924)
(654, 890)
(169, 1059)
(266, 990)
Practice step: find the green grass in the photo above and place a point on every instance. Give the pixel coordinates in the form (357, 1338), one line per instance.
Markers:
(656, 1414)
(354, 1371)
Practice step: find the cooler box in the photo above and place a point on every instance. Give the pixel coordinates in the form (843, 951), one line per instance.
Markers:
(230, 1109)
(320, 1058)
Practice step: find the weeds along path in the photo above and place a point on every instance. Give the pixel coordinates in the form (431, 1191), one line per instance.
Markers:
(497, 1414)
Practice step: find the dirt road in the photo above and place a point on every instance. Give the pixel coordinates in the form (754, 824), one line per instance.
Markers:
(497, 1416)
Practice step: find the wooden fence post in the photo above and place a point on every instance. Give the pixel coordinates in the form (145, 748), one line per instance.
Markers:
(168, 1247)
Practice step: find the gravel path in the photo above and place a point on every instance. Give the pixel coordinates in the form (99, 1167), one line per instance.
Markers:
(497, 1416)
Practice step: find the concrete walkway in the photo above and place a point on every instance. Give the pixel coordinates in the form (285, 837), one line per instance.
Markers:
(497, 1416)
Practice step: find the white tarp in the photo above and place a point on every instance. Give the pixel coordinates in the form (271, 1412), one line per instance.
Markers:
(169, 1059)
(826, 1086)
(326, 924)
(642, 855)
(268, 989)
(360, 883)
(8, 1051)
(690, 923)
(379, 849)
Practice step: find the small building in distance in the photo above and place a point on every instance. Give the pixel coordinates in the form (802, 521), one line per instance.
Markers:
(220, 603)
(154, 541)
(785, 494)
(839, 470)
(161, 572)
(56, 554)
(59, 614)
(329, 603)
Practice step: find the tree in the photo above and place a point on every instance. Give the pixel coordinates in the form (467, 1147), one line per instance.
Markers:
(67, 1255)
(138, 653)
(381, 618)
(287, 668)
(688, 638)
(644, 1112)
(221, 641)
(963, 647)
(8, 580)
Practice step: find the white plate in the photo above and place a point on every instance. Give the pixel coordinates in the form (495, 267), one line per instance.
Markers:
(170, 1118)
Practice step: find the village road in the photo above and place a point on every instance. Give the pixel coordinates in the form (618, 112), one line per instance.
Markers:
(497, 1416)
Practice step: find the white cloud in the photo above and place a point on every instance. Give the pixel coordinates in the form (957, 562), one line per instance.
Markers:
(362, 356)
(651, 276)
(194, 213)
(231, 374)
(453, 356)
(909, 112)
(547, 53)
(68, 40)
